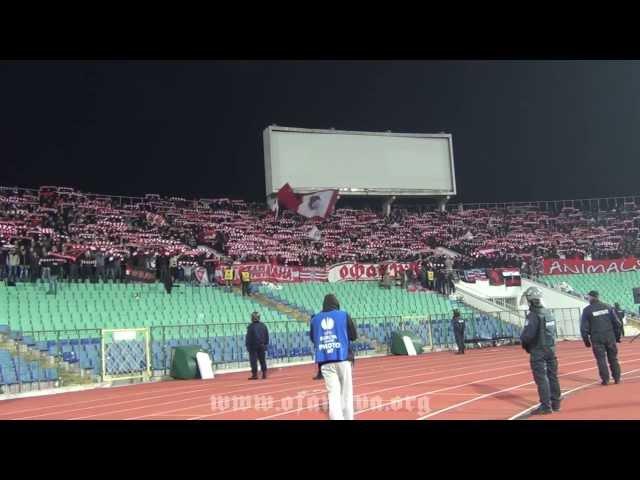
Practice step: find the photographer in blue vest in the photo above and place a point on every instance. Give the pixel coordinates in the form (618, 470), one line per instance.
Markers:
(332, 330)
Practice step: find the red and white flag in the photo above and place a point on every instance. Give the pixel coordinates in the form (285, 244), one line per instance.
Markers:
(312, 205)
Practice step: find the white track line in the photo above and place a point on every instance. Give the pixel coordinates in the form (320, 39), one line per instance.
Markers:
(454, 387)
(528, 370)
(487, 395)
(370, 364)
(417, 366)
(564, 395)
(511, 361)
(183, 390)
(372, 367)
(413, 384)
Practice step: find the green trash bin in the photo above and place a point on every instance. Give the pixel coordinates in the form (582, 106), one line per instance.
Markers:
(184, 365)
(397, 344)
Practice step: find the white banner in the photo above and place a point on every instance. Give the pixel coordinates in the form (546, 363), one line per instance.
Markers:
(366, 271)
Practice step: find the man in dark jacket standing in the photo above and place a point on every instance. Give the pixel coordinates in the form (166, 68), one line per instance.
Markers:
(601, 330)
(458, 331)
(34, 269)
(620, 314)
(162, 264)
(538, 340)
(256, 342)
(332, 332)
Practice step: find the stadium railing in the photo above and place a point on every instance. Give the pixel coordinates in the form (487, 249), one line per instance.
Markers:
(49, 359)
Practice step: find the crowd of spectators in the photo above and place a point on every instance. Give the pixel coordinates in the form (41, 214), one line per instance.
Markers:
(97, 236)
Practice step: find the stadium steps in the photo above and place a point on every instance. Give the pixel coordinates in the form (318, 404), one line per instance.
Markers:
(304, 316)
(613, 287)
(68, 373)
(275, 305)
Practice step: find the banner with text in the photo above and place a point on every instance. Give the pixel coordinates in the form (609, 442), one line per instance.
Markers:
(566, 266)
(342, 272)
(266, 272)
(366, 271)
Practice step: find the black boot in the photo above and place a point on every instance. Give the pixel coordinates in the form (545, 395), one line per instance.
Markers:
(253, 377)
(541, 411)
(555, 406)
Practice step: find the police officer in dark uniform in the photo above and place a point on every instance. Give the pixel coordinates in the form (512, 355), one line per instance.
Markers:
(538, 340)
(458, 331)
(600, 330)
(620, 313)
(256, 341)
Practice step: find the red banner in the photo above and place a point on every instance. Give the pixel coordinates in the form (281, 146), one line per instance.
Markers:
(509, 277)
(265, 272)
(564, 267)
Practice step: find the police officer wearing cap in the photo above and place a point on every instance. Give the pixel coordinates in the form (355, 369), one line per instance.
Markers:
(257, 341)
(538, 339)
(600, 330)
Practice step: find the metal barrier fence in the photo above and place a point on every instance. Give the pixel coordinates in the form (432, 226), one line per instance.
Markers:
(48, 359)
(604, 203)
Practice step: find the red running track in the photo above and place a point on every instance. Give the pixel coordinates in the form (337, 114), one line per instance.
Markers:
(481, 385)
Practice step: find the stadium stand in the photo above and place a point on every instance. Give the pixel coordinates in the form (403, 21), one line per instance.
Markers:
(105, 236)
(613, 287)
(137, 229)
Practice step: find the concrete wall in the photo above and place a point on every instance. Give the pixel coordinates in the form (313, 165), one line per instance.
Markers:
(566, 308)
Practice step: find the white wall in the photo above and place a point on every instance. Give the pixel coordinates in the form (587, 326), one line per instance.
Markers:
(555, 298)
(474, 294)
(566, 308)
(314, 160)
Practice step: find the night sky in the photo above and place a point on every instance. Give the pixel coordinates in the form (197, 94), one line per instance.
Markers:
(522, 130)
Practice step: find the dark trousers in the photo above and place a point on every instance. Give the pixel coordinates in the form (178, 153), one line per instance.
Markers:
(13, 274)
(459, 334)
(35, 273)
(168, 284)
(74, 272)
(245, 288)
(255, 356)
(544, 366)
(604, 351)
